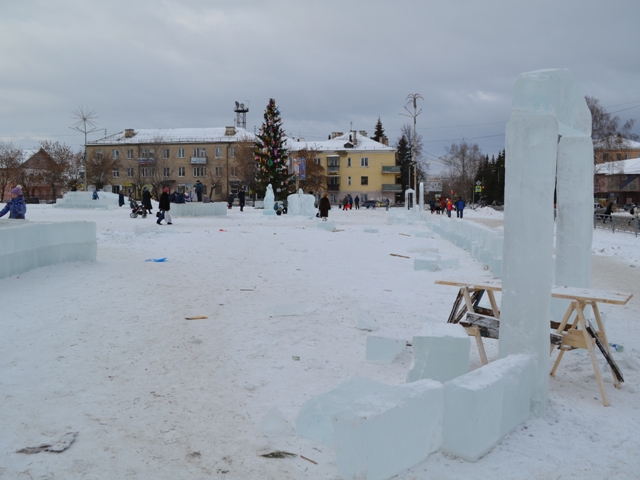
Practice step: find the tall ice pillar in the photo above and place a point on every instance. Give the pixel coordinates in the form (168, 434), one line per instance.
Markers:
(549, 127)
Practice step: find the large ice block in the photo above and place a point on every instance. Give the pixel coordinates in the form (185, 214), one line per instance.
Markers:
(548, 132)
(427, 261)
(199, 209)
(25, 245)
(384, 347)
(440, 352)
(314, 420)
(328, 225)
(385, 433)
(484, 405)
(301, 204)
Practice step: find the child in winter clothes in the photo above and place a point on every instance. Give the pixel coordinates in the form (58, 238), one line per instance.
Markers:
(16, 207)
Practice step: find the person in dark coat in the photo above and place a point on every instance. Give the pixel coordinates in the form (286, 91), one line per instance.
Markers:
(16, 207)
(241, 199)
(199, 190)
(460, 207)
(121, 198)
(164, 206)
(230, 203)
(357, 202)
(607, 212)
(324, 206)
(146, 200)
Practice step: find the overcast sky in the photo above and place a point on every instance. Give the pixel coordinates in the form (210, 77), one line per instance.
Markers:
(330, 65)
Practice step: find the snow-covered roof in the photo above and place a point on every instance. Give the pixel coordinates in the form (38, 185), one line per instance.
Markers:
(629, 167)
(352, 141)
(175, 135)
(616, 143)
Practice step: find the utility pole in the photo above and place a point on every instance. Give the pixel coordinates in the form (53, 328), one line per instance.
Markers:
(413, 98)
(85, 124)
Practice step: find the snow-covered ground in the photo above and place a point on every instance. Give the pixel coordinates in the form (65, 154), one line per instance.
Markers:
(103, 349)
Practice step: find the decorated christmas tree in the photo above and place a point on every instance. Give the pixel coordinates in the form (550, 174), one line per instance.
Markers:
(271, 155)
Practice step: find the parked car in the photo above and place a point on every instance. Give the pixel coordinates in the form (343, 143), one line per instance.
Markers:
(371, 204)
(598, 208)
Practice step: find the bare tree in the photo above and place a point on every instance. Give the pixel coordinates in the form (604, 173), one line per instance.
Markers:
(159, 169)
(100, 168)
(463, 160)
(64, 173)
(606, 131)
(315, 180)
(10, 160)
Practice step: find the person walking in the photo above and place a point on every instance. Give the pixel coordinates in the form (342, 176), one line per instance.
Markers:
(164, 206)
(449, 207)
(95, 194)
(324, 206)
(241, 199)
(443, 205)
(432, 206)
(199, 190)
(345, 202)
(357, 202)
(460, 207)
(350, 200)
(146, 200)
(121, 198)
(386, 204)
(635, 212)
(607, 213)
(230, 202)
(16, 207)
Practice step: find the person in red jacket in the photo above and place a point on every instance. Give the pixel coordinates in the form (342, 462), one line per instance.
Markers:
(449, 207)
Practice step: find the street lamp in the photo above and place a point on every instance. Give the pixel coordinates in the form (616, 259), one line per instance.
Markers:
(413, 98)
(84, 124)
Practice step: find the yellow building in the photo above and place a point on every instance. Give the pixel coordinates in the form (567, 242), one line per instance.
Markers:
(220, 158)
(355, 165)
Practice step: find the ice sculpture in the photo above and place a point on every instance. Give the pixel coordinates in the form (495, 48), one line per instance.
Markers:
(301, 204)
(269, 200)
(550, 126)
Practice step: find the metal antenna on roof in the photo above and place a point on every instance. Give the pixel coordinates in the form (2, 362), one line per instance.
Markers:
(241, 115)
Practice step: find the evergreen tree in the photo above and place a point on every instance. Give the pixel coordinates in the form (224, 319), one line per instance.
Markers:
(403, 159)
(378, 134)
(271, 156)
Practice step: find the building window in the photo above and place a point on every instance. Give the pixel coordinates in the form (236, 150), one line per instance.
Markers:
(349, 162)
(181, 171)
(218, 152)
(605, 157)
(115, 154)
(129, 153)
(115, 173)
(200, 152)
(99, 154)
(181, 153)
(618, 156)
(165, 153)
(218, 171)
(199, 171)
(130, 172)
(232, 152)
(333, 161)
(364, 180)
(318, 160)
(348, 180)
(234, 172)
(364, 162)
(146, 172)
(166, 172)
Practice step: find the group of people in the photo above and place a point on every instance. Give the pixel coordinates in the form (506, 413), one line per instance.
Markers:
(348, 203)
(16, 207)
(446, 205)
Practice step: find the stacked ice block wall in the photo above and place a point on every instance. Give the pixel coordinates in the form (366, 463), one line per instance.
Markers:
(199, 209)
(85, 200)
(25, 245)
(483, 243)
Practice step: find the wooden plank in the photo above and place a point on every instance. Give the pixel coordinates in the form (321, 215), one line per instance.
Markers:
(496, 286)
(591, 295)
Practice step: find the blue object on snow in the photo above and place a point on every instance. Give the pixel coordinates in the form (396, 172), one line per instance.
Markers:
(156, 259)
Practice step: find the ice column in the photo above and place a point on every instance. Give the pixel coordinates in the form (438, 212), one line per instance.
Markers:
(547, 106)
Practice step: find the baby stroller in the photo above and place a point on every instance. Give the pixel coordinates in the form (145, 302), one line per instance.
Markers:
(136, 209)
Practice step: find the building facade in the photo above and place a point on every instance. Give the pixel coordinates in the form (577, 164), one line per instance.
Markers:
(220, 158)
(617, 172)
(355, 165)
